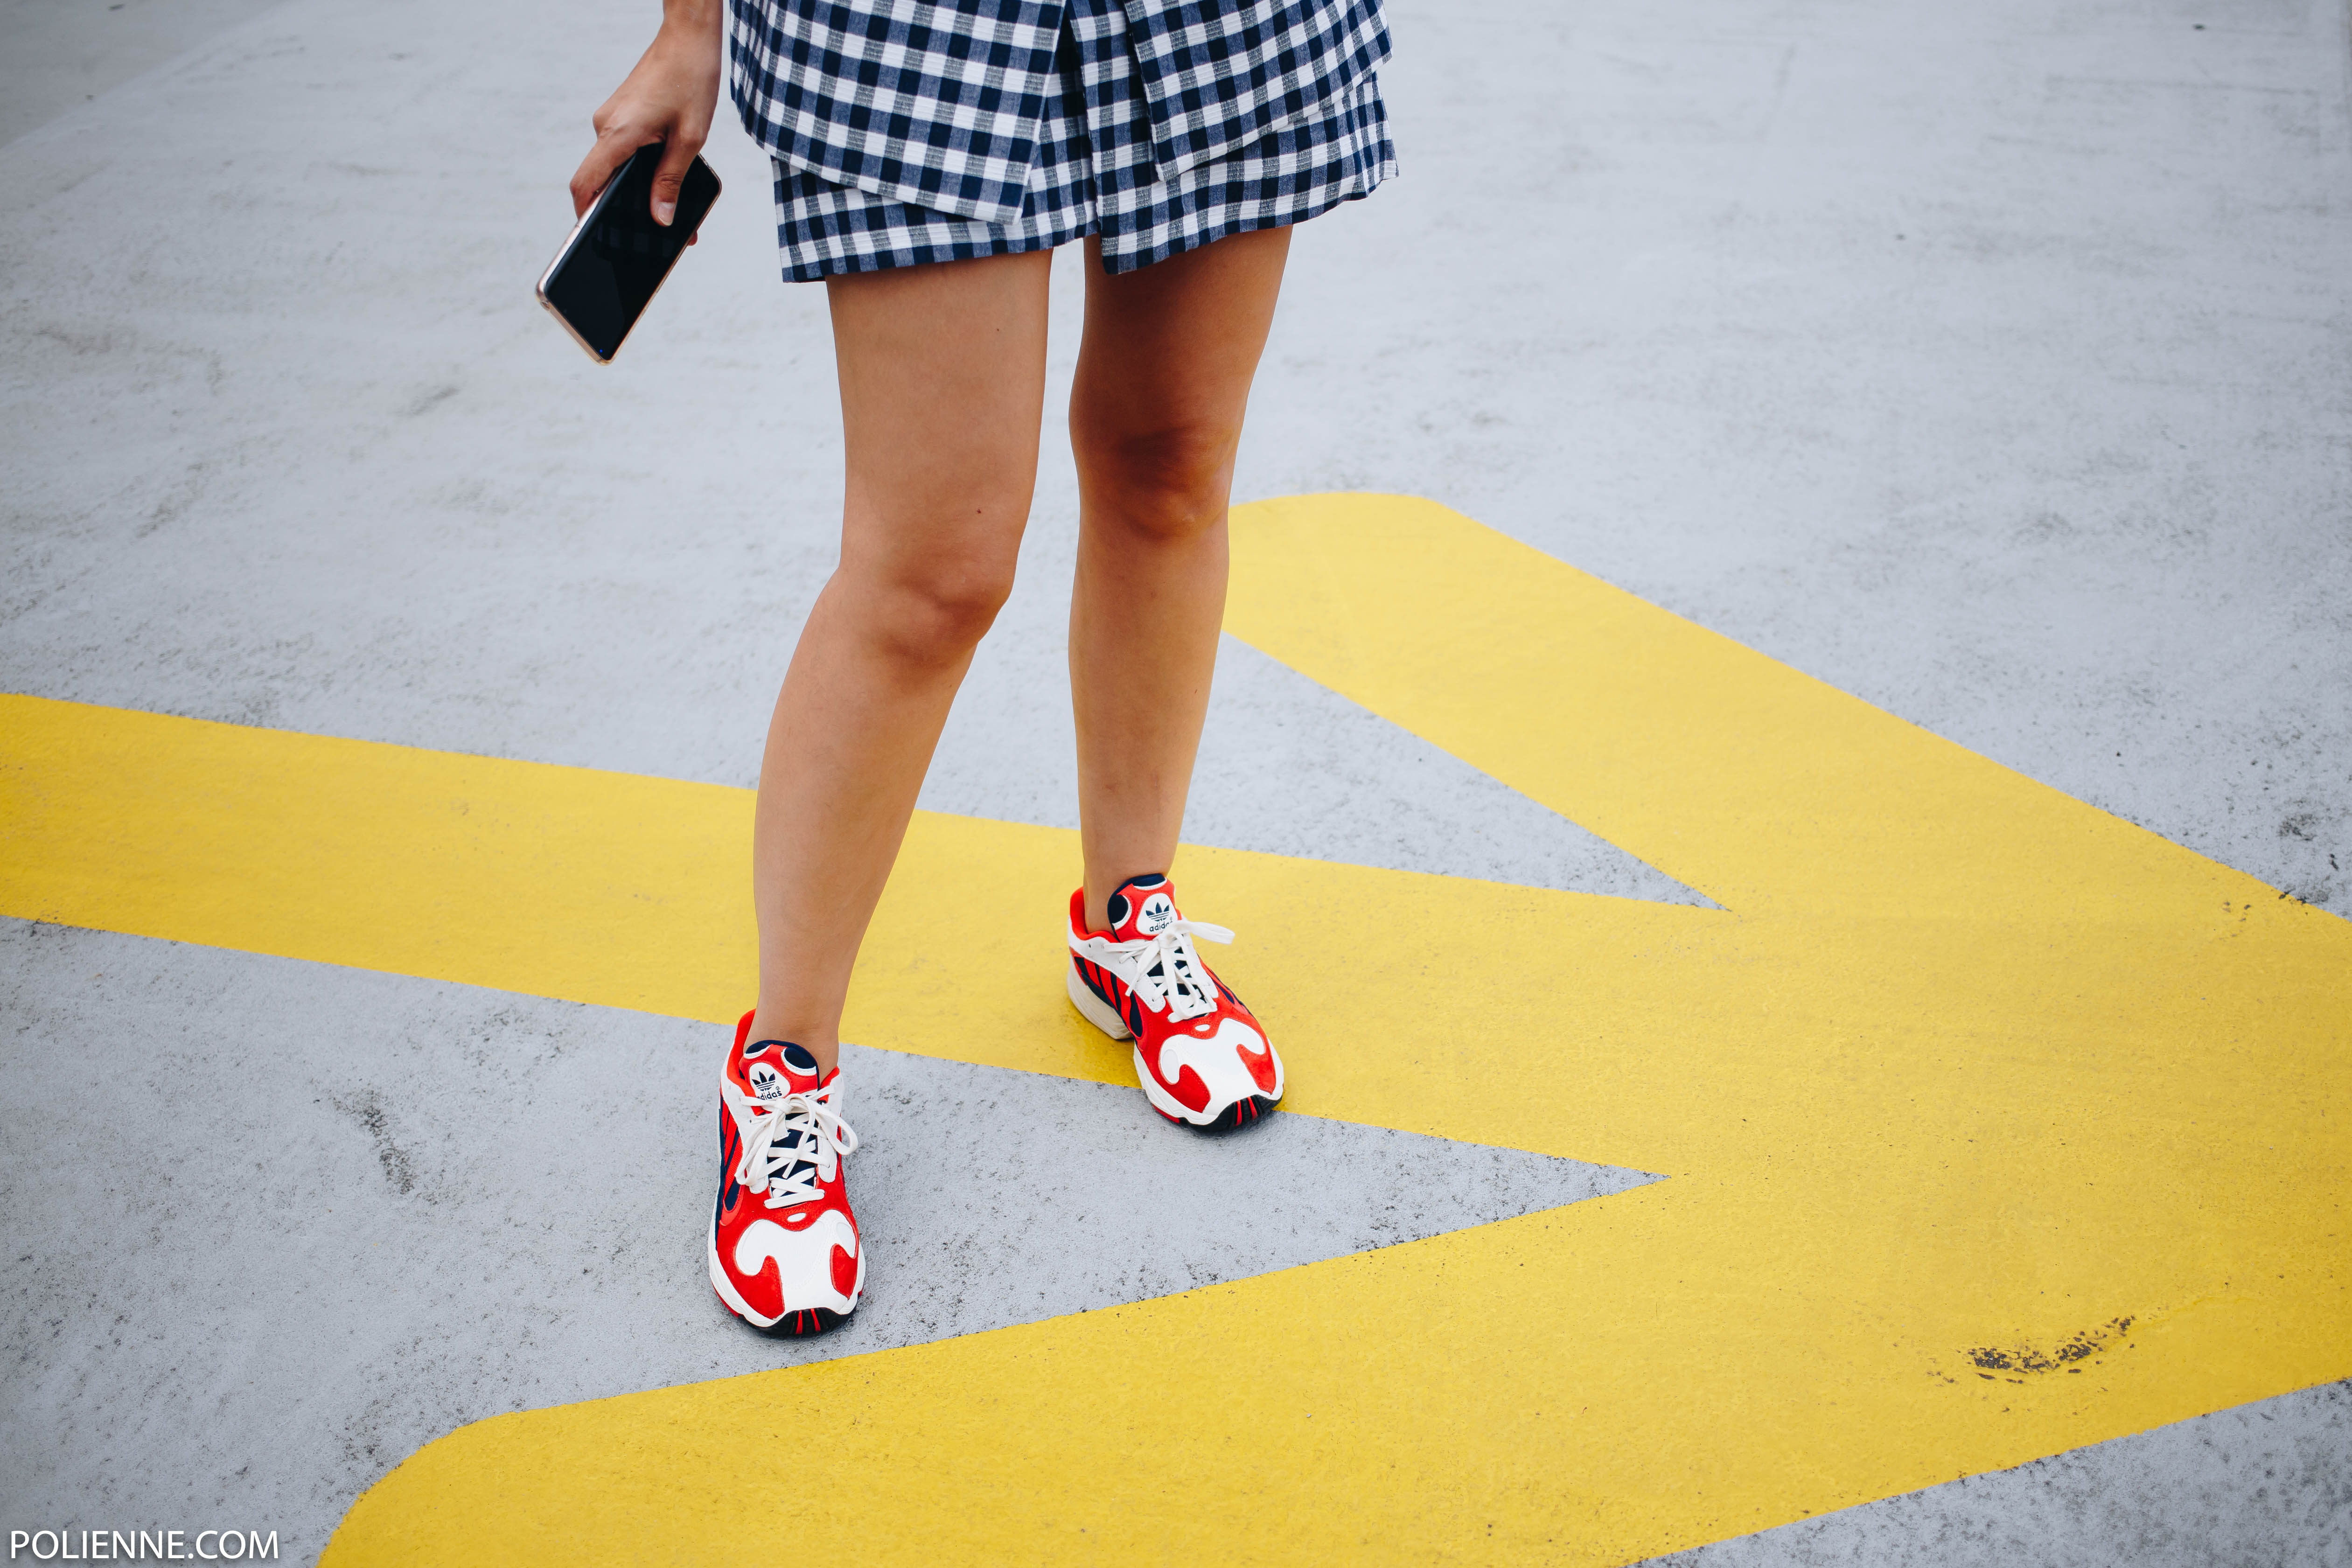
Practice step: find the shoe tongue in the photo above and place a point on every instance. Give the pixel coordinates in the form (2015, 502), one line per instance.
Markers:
(774, 1069)
(1141, 908)
(1151, 910)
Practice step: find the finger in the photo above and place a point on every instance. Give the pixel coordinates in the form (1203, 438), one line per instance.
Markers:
(603, 161)
(677, 156)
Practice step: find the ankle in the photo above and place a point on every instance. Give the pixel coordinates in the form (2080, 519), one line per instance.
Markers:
(1098, 891)
(822, 1044)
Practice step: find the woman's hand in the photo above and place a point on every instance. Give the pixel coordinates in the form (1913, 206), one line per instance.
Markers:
(669, 98)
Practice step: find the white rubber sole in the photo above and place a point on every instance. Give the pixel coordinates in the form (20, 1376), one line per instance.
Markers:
(1093, 1009)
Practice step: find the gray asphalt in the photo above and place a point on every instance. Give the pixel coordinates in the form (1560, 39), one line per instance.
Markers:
(2263, 1486)
(1988, 363)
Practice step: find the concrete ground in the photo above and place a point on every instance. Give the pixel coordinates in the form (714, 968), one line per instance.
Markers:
(1991, 363)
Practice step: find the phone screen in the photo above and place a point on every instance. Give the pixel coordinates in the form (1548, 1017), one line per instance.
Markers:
(602, 282)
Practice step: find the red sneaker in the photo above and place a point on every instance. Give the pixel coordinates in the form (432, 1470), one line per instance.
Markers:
(1200, 1055)
(784, 1244)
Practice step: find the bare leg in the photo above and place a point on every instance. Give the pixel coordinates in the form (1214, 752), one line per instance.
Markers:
(1155, 419)
(942, 387)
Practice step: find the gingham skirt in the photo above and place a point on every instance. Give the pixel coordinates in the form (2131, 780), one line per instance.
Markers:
(1095, 176)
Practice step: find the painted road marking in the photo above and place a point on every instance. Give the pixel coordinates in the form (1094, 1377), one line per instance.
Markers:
(1998, 1126)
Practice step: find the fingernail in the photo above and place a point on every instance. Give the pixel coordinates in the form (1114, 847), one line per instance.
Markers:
(664, 211)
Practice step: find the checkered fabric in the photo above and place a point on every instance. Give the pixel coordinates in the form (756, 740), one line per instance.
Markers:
(941, 103)
(1098, 170)
(1220, 74)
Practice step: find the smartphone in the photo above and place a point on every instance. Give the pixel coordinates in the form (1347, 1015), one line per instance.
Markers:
(608, 271)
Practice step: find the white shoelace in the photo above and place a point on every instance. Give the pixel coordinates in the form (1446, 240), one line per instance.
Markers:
(1163, 970)
(783, 1166)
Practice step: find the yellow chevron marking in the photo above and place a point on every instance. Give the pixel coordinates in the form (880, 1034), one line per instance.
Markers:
(1998, 1126)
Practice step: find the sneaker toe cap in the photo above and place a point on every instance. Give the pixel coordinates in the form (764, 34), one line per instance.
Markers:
(808, 1274)
(1233, 1061)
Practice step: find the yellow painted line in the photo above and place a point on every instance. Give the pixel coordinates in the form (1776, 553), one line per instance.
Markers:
(631, 891)
(600, 887)
(1998, 1126)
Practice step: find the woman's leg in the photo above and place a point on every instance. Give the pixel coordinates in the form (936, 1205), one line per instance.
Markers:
(1155, 418)
(942, 384)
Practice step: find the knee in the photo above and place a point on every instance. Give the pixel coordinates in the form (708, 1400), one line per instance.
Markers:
(1167, 484)
(934, 612)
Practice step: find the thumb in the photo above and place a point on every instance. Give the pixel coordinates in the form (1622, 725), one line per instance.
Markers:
(677, 156)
